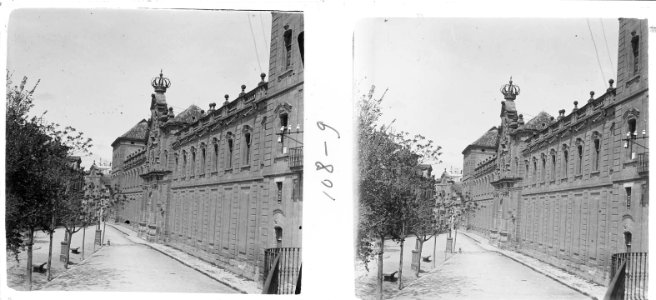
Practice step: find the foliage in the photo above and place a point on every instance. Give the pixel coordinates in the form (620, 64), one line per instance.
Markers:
(38, 169)
(396, 197)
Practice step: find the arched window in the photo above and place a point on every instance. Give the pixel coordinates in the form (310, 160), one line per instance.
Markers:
(287, 38)
(635, 46)
(579, 157)
(203, 158)
(184, 163)
(247, 150)
(544, 167)
(631, 135)
(246, 146)
(565, 161)
(177, 164)
(553, 164)
(216, 155)
(229, 150)
(596, 143)
(193, 161)
(283, 130)
(535, 169)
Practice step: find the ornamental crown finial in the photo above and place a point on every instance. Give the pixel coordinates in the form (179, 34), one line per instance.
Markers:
(510, 91)
(161, 83)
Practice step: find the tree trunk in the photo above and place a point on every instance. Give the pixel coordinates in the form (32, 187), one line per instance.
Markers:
(102, 241)
(50, 254)
(455, 238)
(84, 234)
(421, 246)
(401, 265)
(380, 269)
(434, 249)
(68, 253)
(30, 242)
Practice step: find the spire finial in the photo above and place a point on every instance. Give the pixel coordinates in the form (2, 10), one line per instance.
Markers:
(161, 83)
(510, 91)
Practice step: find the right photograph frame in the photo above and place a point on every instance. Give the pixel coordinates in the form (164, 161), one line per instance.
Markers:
(471, 187)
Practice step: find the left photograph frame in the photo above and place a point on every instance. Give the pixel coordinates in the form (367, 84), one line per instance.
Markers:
(154, 150)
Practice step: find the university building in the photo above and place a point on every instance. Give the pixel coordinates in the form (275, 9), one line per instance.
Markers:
(570, 190)
(223, 184)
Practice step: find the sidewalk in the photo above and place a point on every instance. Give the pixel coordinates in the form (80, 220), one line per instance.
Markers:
(583, 286)
(238, 283)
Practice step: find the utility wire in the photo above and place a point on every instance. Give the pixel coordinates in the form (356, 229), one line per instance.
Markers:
(606, 41)
(257, 54)
(266, 44)
(596, 53)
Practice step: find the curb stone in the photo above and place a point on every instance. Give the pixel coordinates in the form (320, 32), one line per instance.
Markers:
(495, 249)
(183, 262)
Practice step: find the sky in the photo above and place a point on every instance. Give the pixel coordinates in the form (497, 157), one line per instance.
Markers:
(95, 65)
(444, 75)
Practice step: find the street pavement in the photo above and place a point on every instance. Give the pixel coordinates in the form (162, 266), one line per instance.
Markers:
(133, 267)
(477, 273)
(366, 281)
(16, 271)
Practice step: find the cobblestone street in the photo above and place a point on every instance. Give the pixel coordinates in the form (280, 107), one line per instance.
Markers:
(128, 266)
(477, 273)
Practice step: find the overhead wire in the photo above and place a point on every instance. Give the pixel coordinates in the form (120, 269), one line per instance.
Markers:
(606, 42)
(266, 44)
(257, 53)
(603, 80)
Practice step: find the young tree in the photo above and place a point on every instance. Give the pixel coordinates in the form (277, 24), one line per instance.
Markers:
(30, 153)
(37, 159)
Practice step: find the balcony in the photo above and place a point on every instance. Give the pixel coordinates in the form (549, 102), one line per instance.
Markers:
(643, 163)
(296, 157)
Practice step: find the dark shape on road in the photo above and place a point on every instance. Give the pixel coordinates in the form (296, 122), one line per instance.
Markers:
(40, 269)
(426, 258)
(390, 277)
(75, 250)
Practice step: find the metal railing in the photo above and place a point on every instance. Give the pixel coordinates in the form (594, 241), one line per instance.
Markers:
(629, 275)
(296, 157)
(282, 270)
(643, 162)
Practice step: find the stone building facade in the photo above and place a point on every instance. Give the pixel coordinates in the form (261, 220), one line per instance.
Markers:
(223, 184)
(570, 190)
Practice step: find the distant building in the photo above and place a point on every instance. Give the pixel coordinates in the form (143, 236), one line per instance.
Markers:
(223, 184)
(574, 189)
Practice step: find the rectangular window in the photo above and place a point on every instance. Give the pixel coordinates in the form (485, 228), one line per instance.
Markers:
(279, 195)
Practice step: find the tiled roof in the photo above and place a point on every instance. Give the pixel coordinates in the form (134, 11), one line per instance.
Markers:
(489, 139)
(139, 131)
(539, 122)
(189, 115)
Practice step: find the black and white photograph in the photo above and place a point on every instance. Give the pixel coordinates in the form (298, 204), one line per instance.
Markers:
(154, 150)
(501, 158)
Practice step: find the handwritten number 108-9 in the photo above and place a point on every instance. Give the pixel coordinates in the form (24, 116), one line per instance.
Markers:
(321, 166)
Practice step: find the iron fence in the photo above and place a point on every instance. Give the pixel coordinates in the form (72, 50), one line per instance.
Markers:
(296, 157)
(282, 269)
(634, 268)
